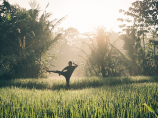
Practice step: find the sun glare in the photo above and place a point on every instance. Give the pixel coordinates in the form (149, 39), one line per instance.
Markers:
(84, 15)
(87, 15)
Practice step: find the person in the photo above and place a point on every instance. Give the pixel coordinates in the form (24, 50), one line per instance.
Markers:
(66, 72)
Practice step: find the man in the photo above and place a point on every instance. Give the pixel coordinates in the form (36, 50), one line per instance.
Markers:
(66, 72)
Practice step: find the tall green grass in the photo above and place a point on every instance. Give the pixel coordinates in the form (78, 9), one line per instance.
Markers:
(91, 97)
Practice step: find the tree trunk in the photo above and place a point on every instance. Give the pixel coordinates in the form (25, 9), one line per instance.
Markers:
(144, 43)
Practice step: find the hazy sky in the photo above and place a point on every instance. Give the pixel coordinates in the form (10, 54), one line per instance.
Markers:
(84, 15)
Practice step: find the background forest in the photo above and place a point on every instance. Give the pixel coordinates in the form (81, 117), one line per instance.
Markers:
(116, 75)
(30, 43)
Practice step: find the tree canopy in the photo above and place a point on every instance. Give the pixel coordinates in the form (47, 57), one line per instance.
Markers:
(24, 37)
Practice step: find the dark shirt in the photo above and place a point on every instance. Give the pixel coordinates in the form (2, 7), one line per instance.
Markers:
(69, 70)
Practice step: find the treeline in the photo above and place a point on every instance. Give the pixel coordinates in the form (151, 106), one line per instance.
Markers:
(25, 36)
(139, 34)
(140, 38)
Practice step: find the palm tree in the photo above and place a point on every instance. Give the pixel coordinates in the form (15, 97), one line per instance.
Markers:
(26, 35)
(134, 51)
(104, 58)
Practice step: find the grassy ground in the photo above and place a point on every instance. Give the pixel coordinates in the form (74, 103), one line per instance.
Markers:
(88, 97)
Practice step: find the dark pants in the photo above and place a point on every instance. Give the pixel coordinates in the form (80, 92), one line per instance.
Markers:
(65, 74)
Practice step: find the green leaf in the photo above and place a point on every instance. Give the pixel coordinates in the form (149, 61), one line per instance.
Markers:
(33, 33)
(150, 109)
(8, 17)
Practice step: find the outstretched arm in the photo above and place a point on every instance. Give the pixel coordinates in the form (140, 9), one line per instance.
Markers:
(75, 64)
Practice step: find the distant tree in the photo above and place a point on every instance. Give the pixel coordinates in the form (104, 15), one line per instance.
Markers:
(134, 51)
(104, 57)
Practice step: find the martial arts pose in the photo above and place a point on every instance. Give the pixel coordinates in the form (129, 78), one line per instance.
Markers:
(66, 72)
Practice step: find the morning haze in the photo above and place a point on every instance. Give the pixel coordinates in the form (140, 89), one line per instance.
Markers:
(78, 58)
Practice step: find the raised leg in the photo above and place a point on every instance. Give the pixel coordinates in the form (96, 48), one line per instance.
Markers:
(54, 71)
(59, 72)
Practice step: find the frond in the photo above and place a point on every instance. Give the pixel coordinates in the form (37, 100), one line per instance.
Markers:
(33, 4)
(84, 52)
(123, 57)
(58, 22)
(49, 43)
(91, 47)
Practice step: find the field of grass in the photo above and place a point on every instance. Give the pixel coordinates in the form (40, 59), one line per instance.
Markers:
(89, 97)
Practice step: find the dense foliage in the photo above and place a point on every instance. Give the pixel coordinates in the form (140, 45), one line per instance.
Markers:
(140, 37)
(139, 34)
(24, 37)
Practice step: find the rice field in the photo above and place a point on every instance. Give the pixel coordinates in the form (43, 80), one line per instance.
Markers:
(88, 97)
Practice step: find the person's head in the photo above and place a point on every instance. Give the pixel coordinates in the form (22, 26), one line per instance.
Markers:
(70, 63)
